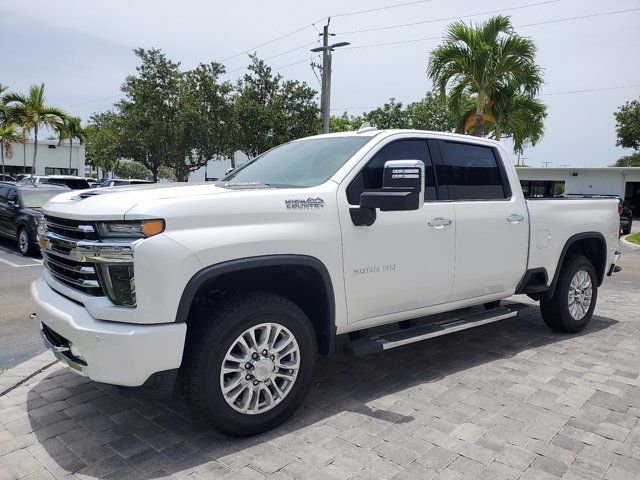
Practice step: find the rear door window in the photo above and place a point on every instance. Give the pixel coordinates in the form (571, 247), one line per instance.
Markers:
(471, 172)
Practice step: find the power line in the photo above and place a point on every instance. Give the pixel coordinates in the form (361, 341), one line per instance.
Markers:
(405, 4)
(274, 56)
(581, 17)
(297, 30)
(244, 52)
(444, 19)
(92, 101)
(568, 92)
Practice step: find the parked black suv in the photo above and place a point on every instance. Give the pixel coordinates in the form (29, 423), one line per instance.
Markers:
(21, 212)
(626, 217)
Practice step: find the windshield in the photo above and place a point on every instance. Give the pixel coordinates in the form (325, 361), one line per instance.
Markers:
(37, 198)
(73, 183)
(303, 163)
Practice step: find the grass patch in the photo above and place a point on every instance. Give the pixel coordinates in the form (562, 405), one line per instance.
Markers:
(635, 238)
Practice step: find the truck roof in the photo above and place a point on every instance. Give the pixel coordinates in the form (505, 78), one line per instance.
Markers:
(373, 132)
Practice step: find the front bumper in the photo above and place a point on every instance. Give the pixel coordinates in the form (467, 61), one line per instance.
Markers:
(112, 352)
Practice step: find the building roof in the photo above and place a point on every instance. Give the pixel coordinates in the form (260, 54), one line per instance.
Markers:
(579, 169)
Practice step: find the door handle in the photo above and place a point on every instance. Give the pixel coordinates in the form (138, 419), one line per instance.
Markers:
(439, 222)
(515, 218)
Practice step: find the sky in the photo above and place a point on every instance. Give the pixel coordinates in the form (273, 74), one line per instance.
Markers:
(82, 51)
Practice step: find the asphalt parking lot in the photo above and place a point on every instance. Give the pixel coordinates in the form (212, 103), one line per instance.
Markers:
(509, 401)
(19, 338)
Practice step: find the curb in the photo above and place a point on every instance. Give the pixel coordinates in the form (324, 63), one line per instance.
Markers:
(629, 244)
(16, 376)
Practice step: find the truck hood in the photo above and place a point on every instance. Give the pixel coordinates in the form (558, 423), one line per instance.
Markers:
(112, 203)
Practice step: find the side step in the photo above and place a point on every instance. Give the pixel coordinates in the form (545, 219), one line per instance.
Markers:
(368, 345)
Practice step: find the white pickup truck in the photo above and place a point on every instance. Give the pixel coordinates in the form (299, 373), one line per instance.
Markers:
(233, 287)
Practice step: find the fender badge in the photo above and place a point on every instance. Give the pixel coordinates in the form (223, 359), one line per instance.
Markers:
(313, 203)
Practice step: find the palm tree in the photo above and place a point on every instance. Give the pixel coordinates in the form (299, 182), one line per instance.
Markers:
(518, 116)
(31, 114)
(72, 128)
(480, 60)
(9, 134)
(510, 114)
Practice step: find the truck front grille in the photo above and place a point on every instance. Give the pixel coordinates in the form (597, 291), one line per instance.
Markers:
(78, 275)
(72, 229)
(73, 252)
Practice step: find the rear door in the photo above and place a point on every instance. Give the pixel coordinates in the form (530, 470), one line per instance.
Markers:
(404, 260)
(491, 221)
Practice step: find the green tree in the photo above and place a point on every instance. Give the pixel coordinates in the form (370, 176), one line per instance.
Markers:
(391, 115)
(103, 141)
(628, 125)
(520, 117)
(344, 123)
(632, 160)
(174, 118)
(131, 169)
(9, 134)
(481, 59)
(72, 129)
(270, 111)
(147, 120)
(31, 114)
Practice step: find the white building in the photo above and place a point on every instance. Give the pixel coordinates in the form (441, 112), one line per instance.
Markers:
(216, 169)
(622, 182)
(52, 159)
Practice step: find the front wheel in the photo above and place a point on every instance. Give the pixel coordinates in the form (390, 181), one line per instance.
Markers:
(25, 242)
(571, 307)
(249, 362)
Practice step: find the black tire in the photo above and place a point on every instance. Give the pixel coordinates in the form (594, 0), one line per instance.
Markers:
(26, 250)
(555, 310)
(212, 335)
(626, 231)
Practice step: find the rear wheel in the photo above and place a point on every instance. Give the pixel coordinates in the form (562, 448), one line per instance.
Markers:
(25, 242)
(249, 362)
(571, 307)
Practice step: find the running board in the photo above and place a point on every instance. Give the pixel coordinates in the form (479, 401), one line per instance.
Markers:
(385, 341)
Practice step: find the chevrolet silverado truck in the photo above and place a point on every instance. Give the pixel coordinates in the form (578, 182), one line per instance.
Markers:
(230, 289)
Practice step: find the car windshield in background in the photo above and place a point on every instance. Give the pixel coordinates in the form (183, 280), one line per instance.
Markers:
(74, 184)
(303, 163)
(37, 198)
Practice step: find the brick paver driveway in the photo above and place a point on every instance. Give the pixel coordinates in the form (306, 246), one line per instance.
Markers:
(508, 401)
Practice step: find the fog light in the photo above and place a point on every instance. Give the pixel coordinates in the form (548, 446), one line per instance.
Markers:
(117, 281)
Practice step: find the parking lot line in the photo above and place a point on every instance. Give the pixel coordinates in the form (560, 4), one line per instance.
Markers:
(15, 265)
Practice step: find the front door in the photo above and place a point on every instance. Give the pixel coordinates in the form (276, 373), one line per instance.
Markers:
(6, 212)
(404, 260)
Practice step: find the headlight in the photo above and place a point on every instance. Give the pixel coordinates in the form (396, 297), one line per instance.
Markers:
(131, 229)
(117, 282)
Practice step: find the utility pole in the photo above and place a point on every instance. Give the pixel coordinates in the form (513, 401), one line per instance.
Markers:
(326, 49)
(546, 164)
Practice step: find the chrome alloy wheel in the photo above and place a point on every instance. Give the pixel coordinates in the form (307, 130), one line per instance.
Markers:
(260, 368)
(23, 241)
(580, 292)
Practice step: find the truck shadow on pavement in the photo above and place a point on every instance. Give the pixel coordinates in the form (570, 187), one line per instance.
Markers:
(90, 429)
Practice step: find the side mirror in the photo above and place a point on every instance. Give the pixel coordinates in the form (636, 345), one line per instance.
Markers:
(12, 204)
(402, 187)
(228, 171)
